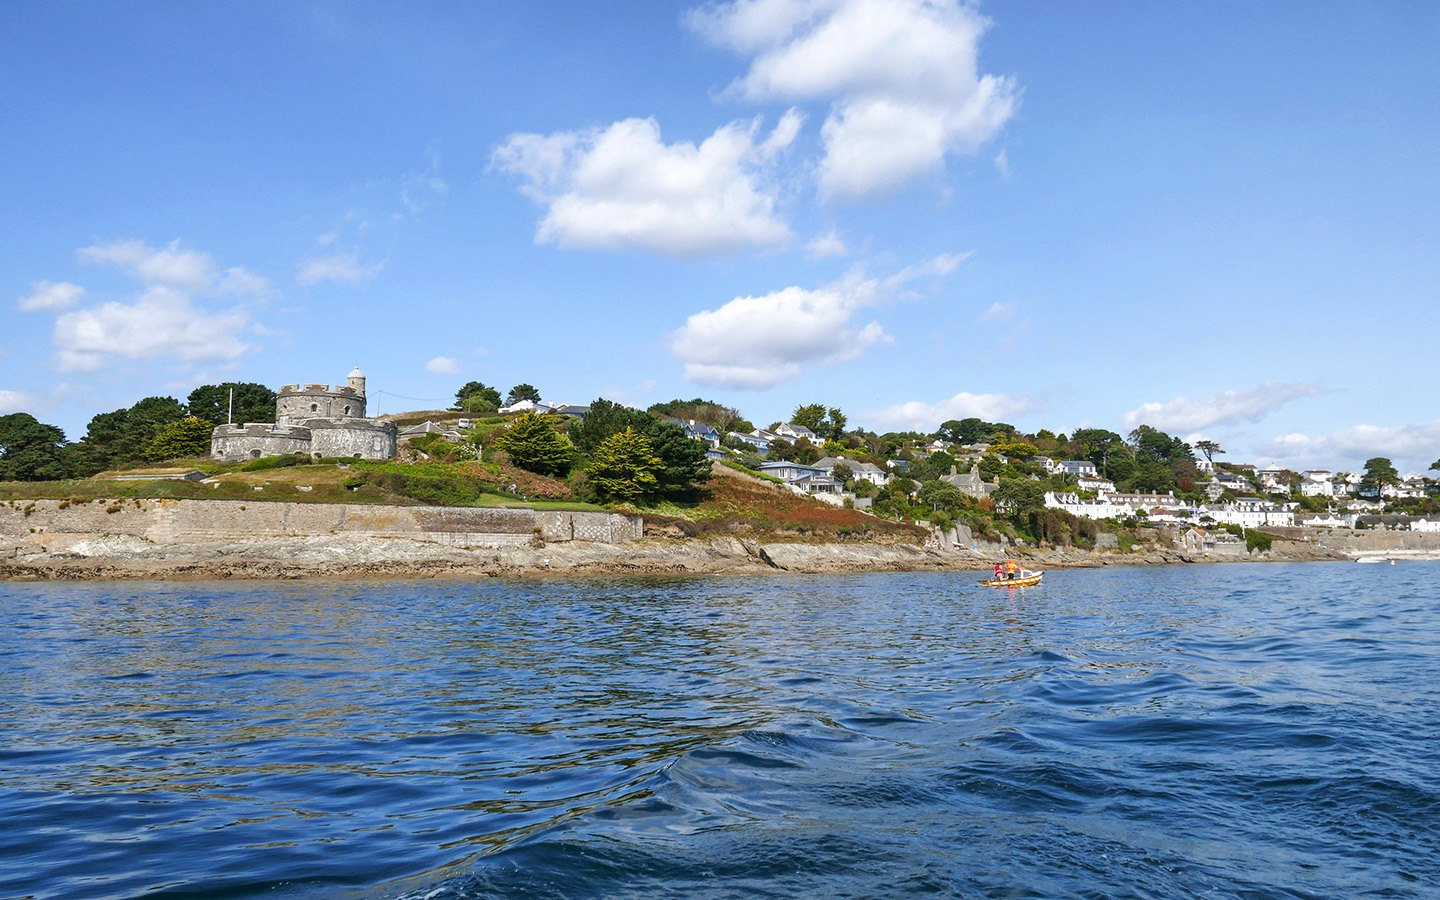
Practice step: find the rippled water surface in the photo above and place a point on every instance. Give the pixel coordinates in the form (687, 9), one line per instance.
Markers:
(1242, 730)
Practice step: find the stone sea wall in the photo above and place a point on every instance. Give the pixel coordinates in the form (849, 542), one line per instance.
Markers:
(58, 526)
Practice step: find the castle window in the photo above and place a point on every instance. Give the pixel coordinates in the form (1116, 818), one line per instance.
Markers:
(347, 410)
(254, 454)
(314, 407)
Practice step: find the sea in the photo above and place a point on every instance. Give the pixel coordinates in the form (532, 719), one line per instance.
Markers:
(1241, 730)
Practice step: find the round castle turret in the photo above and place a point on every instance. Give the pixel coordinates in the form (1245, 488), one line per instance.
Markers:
(295, 403)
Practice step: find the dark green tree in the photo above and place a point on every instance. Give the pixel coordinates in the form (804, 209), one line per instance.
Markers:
(1019, 496)
(31, 450)
(211, 402)
(178, 440)
(533, 444)
(1379, 472)
(624, 469)
(523, 391)
(477, 397)
(937, 494)
(685, 467)
(1210, 449)
(828, 423)
(119, 439)
(604, 419)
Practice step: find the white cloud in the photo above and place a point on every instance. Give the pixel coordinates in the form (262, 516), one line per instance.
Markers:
(920, 416)
(826, 246)
(14, 401)
(1251, 405)
(443, 365)
(161, 323)
(1412, 447)
(997, 312)
(623, 188)
(172, 266)
(346, 267)
(51, 295)
(757, 342)
(902, 77)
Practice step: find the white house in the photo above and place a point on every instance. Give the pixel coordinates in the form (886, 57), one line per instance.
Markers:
(1251, 512)
(793, 432)
(864, 470)
(1101, 508)
(524, 406)
(1095, 484)
(1079, 467)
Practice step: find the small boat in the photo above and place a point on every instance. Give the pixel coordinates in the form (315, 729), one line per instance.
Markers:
(1024, 579)
(1375, 559)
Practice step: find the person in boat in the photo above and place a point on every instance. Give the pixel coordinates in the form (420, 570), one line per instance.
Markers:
(1012, 569)
(999, 571)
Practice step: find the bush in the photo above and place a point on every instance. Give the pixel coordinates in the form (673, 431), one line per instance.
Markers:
(283, 461)
(1258, 540)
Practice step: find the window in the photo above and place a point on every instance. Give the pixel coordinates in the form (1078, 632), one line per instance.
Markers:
(254, 454)
(314, 407)
(347, 410)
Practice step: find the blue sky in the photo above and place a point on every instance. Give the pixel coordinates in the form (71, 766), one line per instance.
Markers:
(1216, 218)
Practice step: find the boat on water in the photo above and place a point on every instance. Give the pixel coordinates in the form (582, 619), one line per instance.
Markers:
(1024, 579)
(1375, 559)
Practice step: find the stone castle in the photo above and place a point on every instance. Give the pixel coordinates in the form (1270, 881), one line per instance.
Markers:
(314, 419)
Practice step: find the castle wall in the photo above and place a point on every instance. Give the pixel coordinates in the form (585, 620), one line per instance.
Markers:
(235, 443)
(358, 439)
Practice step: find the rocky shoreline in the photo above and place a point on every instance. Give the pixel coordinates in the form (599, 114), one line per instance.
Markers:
(385, 557)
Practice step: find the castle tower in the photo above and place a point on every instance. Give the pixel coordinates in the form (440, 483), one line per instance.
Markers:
(356, 381)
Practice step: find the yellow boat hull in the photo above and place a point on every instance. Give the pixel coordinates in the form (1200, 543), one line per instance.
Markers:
(1023, 581)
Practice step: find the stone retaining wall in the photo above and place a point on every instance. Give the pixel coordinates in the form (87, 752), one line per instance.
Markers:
(53, 525)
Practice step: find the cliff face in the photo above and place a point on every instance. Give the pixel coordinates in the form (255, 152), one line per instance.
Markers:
(138, 539)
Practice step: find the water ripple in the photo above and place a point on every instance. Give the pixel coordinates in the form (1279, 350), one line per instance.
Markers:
(1208, 731)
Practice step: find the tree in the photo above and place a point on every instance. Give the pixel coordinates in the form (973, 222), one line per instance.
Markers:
(188, 437)
(533, 444)
(604, 419)
(30, 450)
(120, 438)
(1210, 449)
(211, 402)
(523, 391)
(477, 397)
(1379, 472)
(725, 418)
(827, 423)
(685, 465)
(625, 469)
(938, 494)
(1019, 495)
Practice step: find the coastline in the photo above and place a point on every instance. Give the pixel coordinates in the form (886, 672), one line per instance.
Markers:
(380, 557)
(209, 540)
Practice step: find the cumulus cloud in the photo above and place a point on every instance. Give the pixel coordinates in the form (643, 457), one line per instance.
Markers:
(173, 266)
(917, 415)
(757, 342)
(13, 401)
(163, 322)
(343, 267)
(902, 78)
(1251, 405)
(826, 246)
(51, 295)
(623, 188)
(1410, 446)
(443, 365)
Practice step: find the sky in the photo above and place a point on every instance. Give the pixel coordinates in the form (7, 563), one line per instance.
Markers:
(1218, 218)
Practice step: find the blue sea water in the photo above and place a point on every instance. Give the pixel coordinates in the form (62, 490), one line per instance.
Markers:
(1206, 731)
